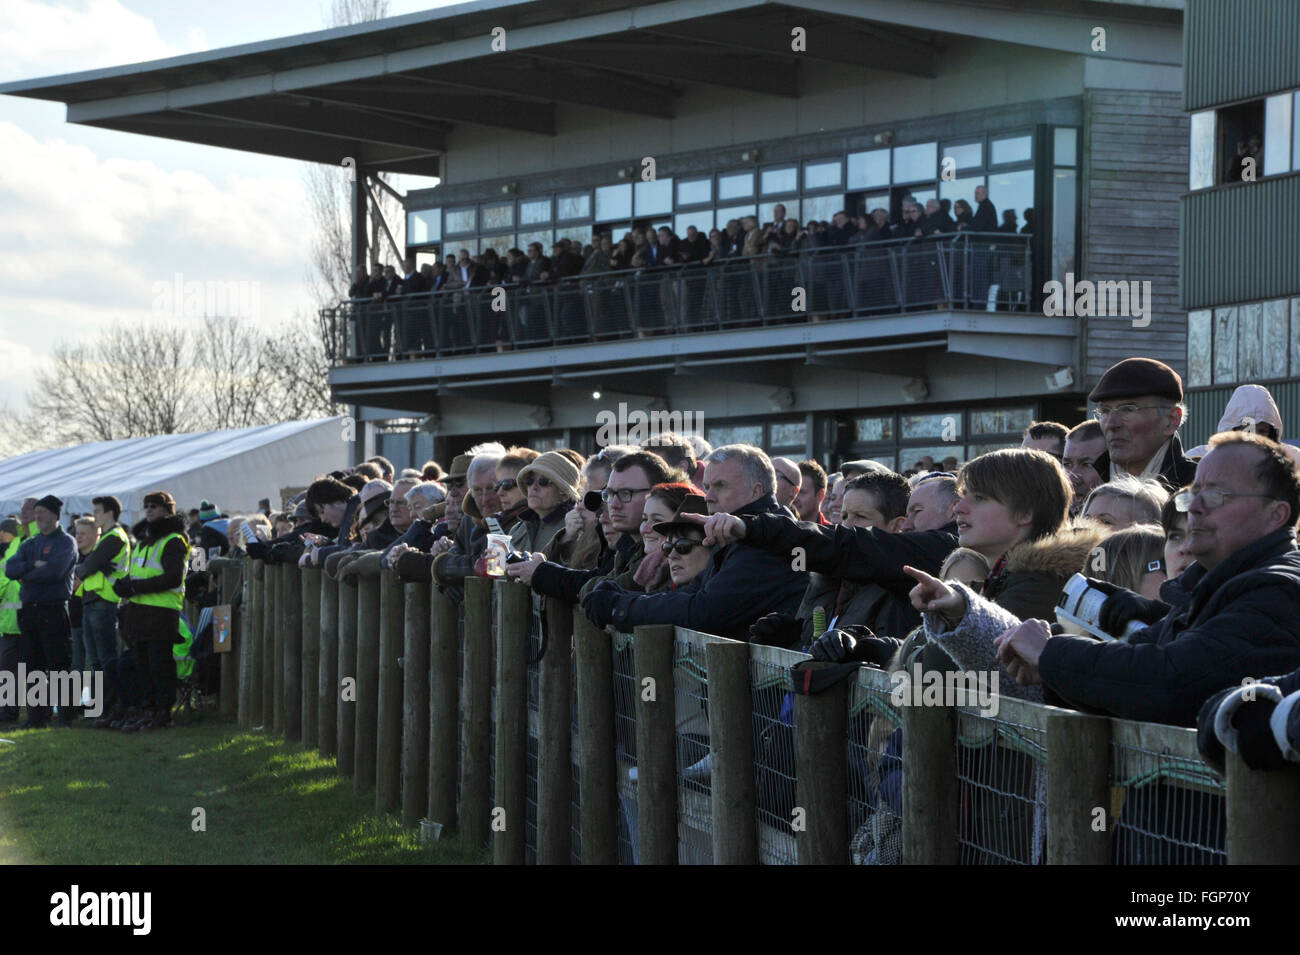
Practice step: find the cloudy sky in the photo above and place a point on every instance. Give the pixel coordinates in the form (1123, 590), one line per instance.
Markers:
(91, 219)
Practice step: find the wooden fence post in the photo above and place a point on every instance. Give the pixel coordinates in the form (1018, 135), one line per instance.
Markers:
(291, 624)
(388, 734)
(1078, 780)
(345, 687)
(514, 615)
(273, 660)
(232, 594)
(327, 674)
(367, 688)
(656, 749)
(476, 724)
(731, 741)
(415, 705)
(444, 707)
(1261, 811)
(821, 724)
(929, 785)
(598, 789)
(555, 736)
(311, 591)
(250, 649)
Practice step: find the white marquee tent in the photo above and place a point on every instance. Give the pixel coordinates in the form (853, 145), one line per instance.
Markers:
(233, 469)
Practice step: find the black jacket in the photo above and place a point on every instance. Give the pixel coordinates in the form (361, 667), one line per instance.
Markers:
(737, 586)
(985, 218)
(1243, 620)
(1175, 472)
(555, 580)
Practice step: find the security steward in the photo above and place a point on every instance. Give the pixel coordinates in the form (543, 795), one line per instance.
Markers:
(154, 591)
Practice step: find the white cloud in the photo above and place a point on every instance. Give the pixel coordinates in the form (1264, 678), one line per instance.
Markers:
(41, 39)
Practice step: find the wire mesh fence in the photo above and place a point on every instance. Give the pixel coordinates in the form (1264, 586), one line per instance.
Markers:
(530, 782)
(875, 771)
(1167, 805)
(625, 690)
(772, 700)
(694, 756)
(575, 800)
(1002, 786)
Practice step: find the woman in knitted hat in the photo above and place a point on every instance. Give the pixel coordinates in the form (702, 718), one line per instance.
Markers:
(552, 484)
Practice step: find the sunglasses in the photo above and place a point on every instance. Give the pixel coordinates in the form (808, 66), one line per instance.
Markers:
(683, 546)
(457, 484)
(539, 481)
(509, 484)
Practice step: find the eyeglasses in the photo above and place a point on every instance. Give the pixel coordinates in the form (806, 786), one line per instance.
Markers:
(782, 477)
(539, 481)
(1211, 498)
(1125, 411)
(624, 494)
(457, 484)
(683, 546)
(509, 484)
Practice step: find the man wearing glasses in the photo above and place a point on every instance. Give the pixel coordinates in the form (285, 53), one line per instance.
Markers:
(1140, 408)
(1243, 619)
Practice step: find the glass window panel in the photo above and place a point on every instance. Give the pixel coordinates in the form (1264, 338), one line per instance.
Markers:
(1201, 151)
(944, 425)
(1065, 146)
(460, 221)
(975, 450)
(654, 197)
(888, 460)
(1277, 135)
(736, 434)
(822, 208)
(822, 175)
(922, 196)
(702, 219)
(1064, 210)
(577, 233)
(1225, 345)
(424, 225)
(767, 213)
(1199, 325)
(868, 170)
(966, 155)
(1295, 336)
(614, 202)
(1012, 190)
(1012, 149)
(577, 205)
(691, 192)
(734, 212)
(775, 181)
(735, 185)
(544, 236)
(1275, 338)
(498, 242)
(909, 459)
(960, 189)
(494, 218)
(871, 430)
(533, 211)
(1000, 420)
(1250, 354)
(1295, 134)
(788, 434)
(913, 163)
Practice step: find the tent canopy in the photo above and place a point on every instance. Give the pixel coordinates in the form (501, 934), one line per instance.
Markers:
(234, 469)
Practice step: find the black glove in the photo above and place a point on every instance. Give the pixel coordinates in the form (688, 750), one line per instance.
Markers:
(598, 605)
(1122, 607)
(837, 646)
(258, 549)
(1207, 742)
(1255, 740)
(124, 587)
(776, 629)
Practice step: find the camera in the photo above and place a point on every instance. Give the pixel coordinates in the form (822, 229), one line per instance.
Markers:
(592, 501)
(1080, 604)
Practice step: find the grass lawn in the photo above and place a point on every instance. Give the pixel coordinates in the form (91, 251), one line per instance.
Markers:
(93, 797)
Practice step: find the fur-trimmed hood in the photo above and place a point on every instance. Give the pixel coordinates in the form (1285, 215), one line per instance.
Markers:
(1062, 554)
(147, 531)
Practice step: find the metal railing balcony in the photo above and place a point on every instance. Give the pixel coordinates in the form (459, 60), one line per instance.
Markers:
(964, 270)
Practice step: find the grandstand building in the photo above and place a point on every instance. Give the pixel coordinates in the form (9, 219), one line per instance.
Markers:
(547, 119)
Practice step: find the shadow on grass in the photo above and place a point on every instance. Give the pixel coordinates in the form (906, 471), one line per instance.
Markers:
(206, 794)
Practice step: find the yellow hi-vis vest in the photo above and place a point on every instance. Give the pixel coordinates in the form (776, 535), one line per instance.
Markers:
(100, 583)
(146, 562)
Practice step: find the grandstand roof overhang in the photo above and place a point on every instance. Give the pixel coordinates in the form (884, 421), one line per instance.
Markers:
(387, 93)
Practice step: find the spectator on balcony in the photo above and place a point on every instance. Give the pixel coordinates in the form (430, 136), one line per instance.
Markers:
(663, 251)
(601, 258)
(1247, 149)
(841, 230)
(516, 266)
(739, 585)
(621, 258)
(564, 261)
(1140, 407)
(1048, 436)
(361, 282)
(1125, 501)
(1084, 444)
(936, 220)
(435, 276)
(812, 492)
(986, 214)
(962, 214)
(910, 223)
(733, 239)
(1009, 224)
(778, 218)
(698, 243)
(413, 282)
(1243, 618)
(1028, 228)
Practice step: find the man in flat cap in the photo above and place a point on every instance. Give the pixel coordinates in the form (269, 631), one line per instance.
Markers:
(1140, 407)
(44, 564)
